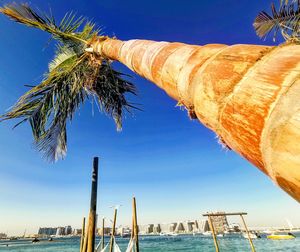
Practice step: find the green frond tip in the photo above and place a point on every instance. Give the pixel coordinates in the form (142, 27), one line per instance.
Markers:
(284, 19)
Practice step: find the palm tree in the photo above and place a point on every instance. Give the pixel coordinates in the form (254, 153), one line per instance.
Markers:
(285, 19)
(247, 94)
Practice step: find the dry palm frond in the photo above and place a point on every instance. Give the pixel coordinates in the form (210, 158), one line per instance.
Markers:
(23, 14)
(110, 89)
(73, 76)
(285, 19)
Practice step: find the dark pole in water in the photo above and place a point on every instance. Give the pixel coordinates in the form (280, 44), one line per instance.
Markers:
(82, 234)
(93, 206)
(136, 230)
(112, 238)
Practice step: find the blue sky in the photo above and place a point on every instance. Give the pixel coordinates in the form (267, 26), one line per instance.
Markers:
(174, 166)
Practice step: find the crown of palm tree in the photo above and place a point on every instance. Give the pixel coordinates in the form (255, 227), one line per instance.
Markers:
(285, 18)
(73, 76)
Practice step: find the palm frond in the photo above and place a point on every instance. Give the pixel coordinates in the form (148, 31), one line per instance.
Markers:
(110, 89)
(64, 31)
(74, 75)
(63, 57)
(285, 19)
(49, 105)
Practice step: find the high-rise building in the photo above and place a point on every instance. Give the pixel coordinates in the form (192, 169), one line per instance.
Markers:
(156, 229)
(188, 226)
(68, 230)
(203, 226)
(107, 231)
(47, 231)
(179, 227)
(146, 229)
(77, 231)
(60, 231)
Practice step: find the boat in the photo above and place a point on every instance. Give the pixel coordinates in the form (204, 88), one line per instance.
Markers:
(281, 236)
(252, 235)
(207, 233)
(35, 240)
(268, 231)
(168, 234)
(220, 235)
(126, 235)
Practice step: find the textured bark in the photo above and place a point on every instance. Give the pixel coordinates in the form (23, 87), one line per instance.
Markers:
(247, 94)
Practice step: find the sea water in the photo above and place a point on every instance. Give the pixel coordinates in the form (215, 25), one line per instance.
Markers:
(186, 243)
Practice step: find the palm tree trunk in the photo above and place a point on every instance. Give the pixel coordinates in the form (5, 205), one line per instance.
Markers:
(247, 94)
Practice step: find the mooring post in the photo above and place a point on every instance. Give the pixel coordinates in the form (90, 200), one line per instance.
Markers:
(211, 225)
(82, 234)
(93, 206)
(85, 240)
(112, 238)
(247, 231)
(102, 245)
(132, 227)
(136, 230)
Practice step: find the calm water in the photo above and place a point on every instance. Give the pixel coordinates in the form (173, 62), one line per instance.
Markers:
(161, 244)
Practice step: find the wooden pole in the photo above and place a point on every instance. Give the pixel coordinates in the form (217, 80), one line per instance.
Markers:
(113, 231)
(93, 206)
(102, 246)
(132, 227)
(86, 238)
(249, 237)
(211, 225)
(82, 234)
(136, 231)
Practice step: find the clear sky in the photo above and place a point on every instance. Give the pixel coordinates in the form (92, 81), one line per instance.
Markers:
(174, 166)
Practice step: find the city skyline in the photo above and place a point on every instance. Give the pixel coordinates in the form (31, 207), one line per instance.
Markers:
(179, 226)
(174, 166)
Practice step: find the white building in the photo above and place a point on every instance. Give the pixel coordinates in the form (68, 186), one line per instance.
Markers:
(157, 229)
(167, 227)
(203, 226)
(188, 226)
(68, 230)
(146, 229)
(179, 228)
(60, 231)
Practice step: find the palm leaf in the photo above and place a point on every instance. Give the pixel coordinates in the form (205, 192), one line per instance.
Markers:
(63, 57)
(49, 105)
(64, 31)
(110, 89)
(285, 19)
(74, 75)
